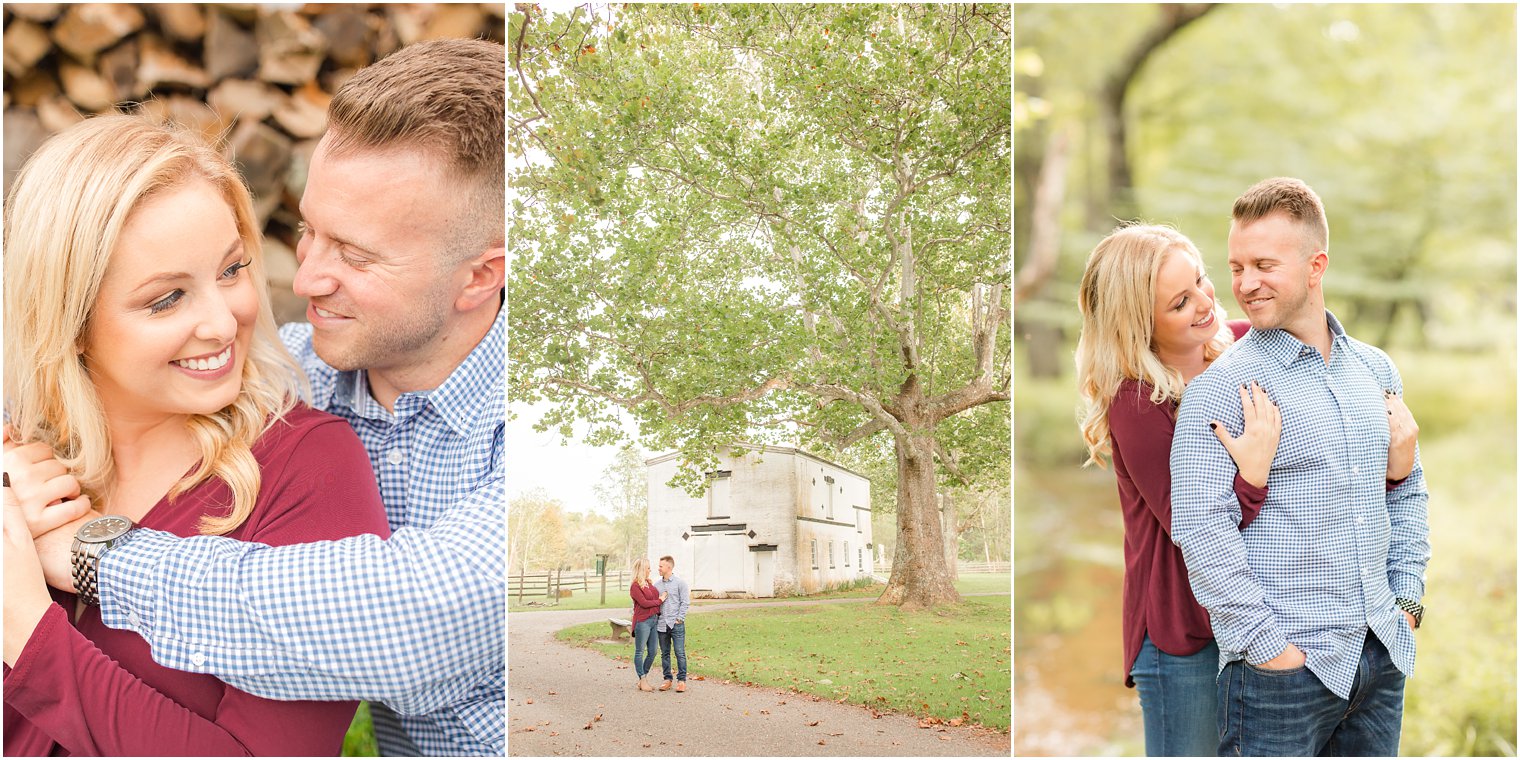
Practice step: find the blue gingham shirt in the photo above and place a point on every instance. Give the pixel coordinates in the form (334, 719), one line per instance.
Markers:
(416, 622)
(677, 601)
(1333, 546)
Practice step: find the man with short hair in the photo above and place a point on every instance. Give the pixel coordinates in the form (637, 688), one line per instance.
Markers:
(672, 625)
(402, 255)
(1314, 605)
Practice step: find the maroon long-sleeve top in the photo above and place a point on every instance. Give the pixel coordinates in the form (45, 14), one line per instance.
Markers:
(1157, 598)
(84, 689)
(646, 601)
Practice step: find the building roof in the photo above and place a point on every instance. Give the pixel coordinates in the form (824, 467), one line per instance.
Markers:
(762, 448)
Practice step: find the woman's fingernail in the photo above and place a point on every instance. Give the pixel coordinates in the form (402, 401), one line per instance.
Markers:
(1215, 425)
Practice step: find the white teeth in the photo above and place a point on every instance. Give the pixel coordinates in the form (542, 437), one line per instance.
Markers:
(206, 365)
(323, 312)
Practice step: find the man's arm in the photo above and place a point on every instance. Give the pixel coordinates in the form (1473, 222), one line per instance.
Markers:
(402, 620)
(1205, 519)
(683, 599)
(1409, 524)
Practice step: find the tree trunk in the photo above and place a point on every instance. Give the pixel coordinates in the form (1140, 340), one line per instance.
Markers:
(950, 525)
(920, 577)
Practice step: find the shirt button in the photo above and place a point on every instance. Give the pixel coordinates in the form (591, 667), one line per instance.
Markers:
(133, 620)
(394, 456)
(1356, 470)
(198, 659)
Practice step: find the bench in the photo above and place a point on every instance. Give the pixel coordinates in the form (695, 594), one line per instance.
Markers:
(621, 627)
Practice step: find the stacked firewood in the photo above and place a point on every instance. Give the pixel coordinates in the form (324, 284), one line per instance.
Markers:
(256, 79)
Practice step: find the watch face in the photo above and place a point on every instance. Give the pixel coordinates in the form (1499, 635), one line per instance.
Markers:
(104, 529)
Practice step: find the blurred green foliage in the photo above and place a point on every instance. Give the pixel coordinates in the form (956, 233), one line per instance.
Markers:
(1401, 117)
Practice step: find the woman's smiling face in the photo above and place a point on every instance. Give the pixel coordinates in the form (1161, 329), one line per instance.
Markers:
(170, 329)
(1185, 314)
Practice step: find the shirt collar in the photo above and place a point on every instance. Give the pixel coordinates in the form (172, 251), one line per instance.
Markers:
(472, 395)
(1282, 346)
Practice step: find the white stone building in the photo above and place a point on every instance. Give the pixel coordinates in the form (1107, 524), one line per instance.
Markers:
(773, 520)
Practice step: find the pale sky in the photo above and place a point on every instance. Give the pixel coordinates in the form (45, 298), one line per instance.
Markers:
(567, 472)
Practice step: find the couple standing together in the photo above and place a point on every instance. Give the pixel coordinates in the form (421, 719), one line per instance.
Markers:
(1276, 533)
(245, 529)
(659, 609)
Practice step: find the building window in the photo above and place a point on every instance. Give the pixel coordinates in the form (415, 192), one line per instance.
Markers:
(719, 493)
(830, 503)
(831, 555)
(860, 557)
(847, 554)
(815, 554)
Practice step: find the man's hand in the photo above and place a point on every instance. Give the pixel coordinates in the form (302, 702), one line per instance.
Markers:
(26, 596)
(1290, 658)
(55, 551)
(1408, 618)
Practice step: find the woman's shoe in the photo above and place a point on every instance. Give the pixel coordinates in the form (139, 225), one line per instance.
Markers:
(644, 684)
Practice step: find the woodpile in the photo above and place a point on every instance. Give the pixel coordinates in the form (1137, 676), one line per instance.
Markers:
(257, 79)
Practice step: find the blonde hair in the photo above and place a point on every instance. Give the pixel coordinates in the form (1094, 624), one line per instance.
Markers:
(443, 96)
(1117, 301)
(65, 214)
(641, 572)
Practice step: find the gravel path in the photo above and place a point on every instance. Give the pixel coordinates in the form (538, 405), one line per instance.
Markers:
(555, 691)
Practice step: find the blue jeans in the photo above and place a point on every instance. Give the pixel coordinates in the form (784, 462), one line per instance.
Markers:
(1289, 712)
(643, 645)
(676, 635)
(1177, 700)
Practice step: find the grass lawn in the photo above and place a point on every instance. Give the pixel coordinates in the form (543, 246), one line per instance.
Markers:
(360, 740)
(969, 583)
(951, 664)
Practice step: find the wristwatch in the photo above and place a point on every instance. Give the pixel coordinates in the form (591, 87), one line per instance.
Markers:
(1415, 610)
(92, 540)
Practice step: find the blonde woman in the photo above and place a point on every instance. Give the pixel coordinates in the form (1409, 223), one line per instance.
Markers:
(646, 616)
(1150, 324)
(141, 351)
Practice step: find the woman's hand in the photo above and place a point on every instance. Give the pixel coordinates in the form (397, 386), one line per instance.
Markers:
(662, 596)
(26, 596)
(1402, 434)
(47, 494)
(1257, 444)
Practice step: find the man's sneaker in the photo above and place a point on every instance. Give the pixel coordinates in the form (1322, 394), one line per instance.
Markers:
(665, 686)
(681, 686)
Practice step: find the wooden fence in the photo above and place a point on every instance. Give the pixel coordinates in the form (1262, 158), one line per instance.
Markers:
(549, 587)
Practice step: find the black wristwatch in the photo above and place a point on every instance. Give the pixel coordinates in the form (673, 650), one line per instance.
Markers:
(92, 541)
(1415, 610)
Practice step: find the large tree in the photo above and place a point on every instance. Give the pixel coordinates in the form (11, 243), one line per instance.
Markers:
(786, 223)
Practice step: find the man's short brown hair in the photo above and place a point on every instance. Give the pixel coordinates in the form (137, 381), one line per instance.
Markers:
(1285, 195)
(670, 559)
(447, 97)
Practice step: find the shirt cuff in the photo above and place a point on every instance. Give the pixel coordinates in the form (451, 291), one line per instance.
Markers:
(1266, 646)
(125, 579)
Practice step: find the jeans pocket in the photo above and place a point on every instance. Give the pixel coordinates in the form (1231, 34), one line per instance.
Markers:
(1275, 672)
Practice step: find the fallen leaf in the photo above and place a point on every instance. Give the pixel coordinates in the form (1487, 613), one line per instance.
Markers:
(646, 744)
(530, 728)
(530, 701)
(820, 741)
(956, 721)
(587, 727)
(554, 733)
(597, 718)
(765, 712)
(840, 733)
(814, 723)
